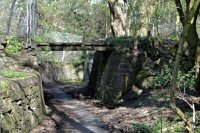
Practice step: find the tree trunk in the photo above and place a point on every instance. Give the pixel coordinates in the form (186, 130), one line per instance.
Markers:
(118, 11)
(189, 21)
(197, 85)
(31, 18)
(192, 39)
(10, 16)
(34, 18)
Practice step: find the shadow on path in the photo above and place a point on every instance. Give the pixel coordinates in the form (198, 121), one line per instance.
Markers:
(68, 115)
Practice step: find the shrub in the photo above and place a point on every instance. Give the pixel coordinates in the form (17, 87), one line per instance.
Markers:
(79, 61)
(14, 47)
(140, 128)
(163, 78)
(187, 80)
(179, 129)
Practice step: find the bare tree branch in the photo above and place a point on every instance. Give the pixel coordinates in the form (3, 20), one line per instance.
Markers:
(180, 10)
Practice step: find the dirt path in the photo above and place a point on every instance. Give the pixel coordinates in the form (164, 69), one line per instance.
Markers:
(66, 115)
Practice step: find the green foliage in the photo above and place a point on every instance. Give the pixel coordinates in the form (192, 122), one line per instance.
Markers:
(174, 37)
(76, 17)
(122, 40)
(177, 119)
(14, 47)
(179, 129)
(39, 40)
(197, 130)
(164, 76)
(79, 61)
(170, 126)
(53, 62)
(187, 80)
(158, 125)
(150, 15)
(13, 74)
(2, 33)
(140, 128)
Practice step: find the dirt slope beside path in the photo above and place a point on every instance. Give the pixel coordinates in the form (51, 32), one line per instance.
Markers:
(66, 115)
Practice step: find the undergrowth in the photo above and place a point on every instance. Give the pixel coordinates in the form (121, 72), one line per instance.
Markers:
(79, 61)
(163, 78)
(160, 127)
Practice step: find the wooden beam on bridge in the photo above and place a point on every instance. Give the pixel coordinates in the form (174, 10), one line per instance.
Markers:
(83, 46)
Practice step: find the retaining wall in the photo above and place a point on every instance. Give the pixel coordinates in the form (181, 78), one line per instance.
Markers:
(22, 104)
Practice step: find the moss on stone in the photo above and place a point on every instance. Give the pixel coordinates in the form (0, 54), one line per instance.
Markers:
(13, 74)
(4, 85)
(144, 78)
(146, 83)
(21, 95)
(8, 123)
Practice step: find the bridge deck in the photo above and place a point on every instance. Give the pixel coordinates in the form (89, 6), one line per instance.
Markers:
(95, 46)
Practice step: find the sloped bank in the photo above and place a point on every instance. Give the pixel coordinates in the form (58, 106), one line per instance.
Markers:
(23, 104)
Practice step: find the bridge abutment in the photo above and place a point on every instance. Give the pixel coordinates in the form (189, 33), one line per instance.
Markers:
(113, 74)
(99, 63)
(129, 68)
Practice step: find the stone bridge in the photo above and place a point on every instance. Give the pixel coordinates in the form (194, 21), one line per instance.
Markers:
(112, 64)
(119, 65)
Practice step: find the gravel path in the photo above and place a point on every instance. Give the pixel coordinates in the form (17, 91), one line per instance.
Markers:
(66, 115)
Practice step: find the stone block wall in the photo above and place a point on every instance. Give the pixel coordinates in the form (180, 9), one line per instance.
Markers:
(118, 75)
(23, 104)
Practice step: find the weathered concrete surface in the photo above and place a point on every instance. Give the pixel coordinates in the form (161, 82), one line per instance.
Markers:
(59, 72)
(23, 104)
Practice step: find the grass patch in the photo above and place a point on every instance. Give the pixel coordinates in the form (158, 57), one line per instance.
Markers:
(53, 62)
(39, 40)
(75, 84)
(13, 74)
